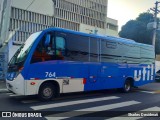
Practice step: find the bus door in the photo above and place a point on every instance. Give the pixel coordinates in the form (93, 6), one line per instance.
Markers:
(94, 59)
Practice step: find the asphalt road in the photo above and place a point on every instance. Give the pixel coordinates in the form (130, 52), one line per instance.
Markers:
(106, 104)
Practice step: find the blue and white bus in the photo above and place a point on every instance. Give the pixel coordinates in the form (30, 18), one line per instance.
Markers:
(57, 60)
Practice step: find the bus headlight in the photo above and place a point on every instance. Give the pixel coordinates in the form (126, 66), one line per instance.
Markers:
(12, 75)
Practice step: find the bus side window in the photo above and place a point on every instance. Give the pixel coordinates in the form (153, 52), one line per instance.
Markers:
(60, 47)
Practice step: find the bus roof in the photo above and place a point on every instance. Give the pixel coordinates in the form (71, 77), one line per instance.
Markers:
(112, 38)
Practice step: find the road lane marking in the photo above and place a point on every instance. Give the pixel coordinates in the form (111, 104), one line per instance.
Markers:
(152, 109)
(92, 110)
(41, 107)
(124, 117)
(148, 92)
(151, 92)
(9, 93)
(14, 95)
(110, 106)
(56, 118)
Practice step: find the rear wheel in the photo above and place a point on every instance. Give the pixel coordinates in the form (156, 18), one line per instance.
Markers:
(47, 92)
(127, 86)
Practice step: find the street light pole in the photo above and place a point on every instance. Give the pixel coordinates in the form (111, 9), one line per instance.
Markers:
(156, 11)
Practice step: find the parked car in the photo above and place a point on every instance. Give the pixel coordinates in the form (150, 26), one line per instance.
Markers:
(157, 77)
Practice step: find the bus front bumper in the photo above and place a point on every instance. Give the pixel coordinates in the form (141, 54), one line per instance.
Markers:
(17, 85)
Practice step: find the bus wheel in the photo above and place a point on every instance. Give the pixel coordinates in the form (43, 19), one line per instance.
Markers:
(47, 92)
(127, 86)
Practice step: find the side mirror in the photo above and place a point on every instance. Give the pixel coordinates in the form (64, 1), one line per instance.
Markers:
(47, 40)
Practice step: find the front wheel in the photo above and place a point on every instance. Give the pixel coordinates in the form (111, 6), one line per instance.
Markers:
(47, 92)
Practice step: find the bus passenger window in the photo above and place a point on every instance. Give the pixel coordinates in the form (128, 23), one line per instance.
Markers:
(60, 48)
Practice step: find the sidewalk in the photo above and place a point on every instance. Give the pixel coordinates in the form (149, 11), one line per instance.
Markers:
(155, 86)
(3, 86)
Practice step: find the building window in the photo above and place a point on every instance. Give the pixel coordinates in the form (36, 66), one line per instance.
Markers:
(111, 26)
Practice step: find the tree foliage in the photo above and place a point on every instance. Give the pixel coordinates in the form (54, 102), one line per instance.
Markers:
(145, 18)
(137, 29)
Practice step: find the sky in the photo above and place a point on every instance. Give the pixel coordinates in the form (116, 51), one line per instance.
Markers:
(125, 10)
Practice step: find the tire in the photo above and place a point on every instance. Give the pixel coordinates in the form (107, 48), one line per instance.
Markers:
(47, 92)
(127, 86)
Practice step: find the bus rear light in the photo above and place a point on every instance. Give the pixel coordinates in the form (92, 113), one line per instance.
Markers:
(84, 80)
(32, 83)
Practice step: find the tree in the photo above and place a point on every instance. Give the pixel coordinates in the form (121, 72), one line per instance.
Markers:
(133, 30)
(137, 29)
(145, 18)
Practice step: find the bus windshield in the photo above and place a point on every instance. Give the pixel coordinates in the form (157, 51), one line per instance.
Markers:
(23, 51)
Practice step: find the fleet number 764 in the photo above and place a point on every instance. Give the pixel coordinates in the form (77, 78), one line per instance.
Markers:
(50, 74)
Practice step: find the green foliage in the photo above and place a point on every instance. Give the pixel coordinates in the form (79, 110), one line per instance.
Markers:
(137, 29)
(145, 18)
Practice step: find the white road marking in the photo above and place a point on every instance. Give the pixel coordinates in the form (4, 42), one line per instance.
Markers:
(92, 110)
(41, 107)
(148, 92)
(110, 106)
(152, 109)
(14, 95)
(9, 93)
(55, 118)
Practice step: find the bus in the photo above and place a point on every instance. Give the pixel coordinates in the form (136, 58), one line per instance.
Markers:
(56, 60)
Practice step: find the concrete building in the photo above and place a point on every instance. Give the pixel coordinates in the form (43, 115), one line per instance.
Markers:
(20, 18)
(112, 27)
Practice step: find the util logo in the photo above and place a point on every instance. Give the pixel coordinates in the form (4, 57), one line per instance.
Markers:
(146, 73)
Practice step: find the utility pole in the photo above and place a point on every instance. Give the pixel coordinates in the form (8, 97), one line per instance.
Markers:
(156, 11)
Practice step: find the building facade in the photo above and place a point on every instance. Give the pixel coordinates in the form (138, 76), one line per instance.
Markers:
(20, 18)
(112, 27)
